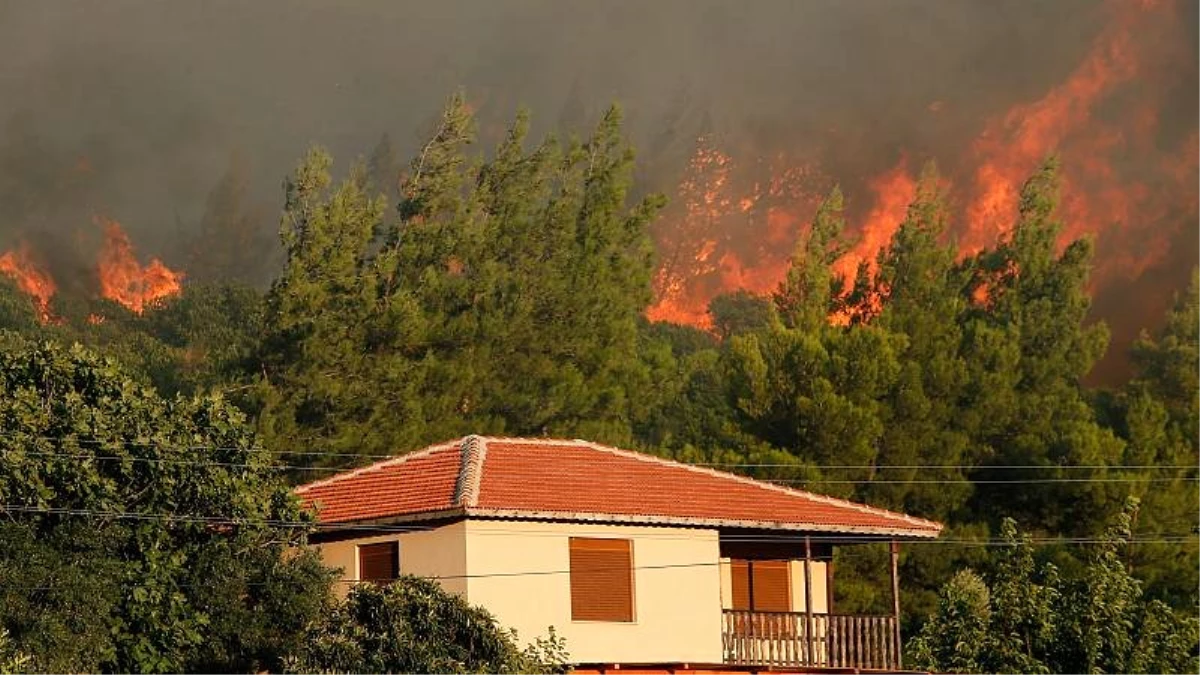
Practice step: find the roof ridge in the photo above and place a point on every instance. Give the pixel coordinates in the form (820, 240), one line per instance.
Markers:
(470, 471)
(390, 461)
(645, 457)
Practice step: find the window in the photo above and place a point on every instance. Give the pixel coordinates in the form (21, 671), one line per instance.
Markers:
(379, 563)
(601, 579)
(762, 585)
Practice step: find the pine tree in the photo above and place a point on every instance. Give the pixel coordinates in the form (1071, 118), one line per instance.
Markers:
(233, 242)
(1028, 350)
(922, 294)
(1157, 417)
(505, 298)
(809, 293)
(383, 171)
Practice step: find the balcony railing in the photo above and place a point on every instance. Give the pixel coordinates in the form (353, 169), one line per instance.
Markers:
(797, 639)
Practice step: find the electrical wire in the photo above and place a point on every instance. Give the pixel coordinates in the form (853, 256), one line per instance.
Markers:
(391, 528)
(315, 453)
(296, 467)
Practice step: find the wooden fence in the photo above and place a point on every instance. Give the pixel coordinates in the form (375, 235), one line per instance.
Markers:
(830, 640)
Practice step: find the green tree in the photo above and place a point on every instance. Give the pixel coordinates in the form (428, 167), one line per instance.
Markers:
(12, 660)
(413, 626)
(18, 312)
(233, 241)
(151, 526)
(1156, 415)
(505, 297)
(1028, 348)
(811, 291)
(1165, 365)
(383, 171)
(955, 639)
(739, 312)
(802, 385)
(922, 293)
(1096, 620)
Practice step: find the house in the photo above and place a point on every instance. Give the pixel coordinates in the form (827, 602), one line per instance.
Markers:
(637, 561)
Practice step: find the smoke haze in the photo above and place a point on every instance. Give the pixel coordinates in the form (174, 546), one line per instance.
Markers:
(135, 110)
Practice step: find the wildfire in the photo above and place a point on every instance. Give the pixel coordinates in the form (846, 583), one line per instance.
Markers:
(30, 278)
(894, 191)
(1011, 147)
(1116, 184)
(702, 253)
(124, 280)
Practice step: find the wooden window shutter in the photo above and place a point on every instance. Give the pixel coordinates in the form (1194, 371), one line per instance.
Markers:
(601, 579)
(379, 563)
(770, 581)
(772, 586)
(741, 584)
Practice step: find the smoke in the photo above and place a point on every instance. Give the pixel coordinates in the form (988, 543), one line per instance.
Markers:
(135, 111)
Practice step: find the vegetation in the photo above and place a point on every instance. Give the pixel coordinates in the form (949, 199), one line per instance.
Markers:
(504, 293)
(413, 626)
(1031, 619)
(144, 534)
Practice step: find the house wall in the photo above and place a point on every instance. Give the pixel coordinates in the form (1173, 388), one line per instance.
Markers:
(819, 597)
(437, 553)
(677, 589)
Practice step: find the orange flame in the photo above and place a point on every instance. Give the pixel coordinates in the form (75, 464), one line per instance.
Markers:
(30, 278)
(124, 280)
(894, 191)
(1116, 183)
(1011, 147)
(699, 257)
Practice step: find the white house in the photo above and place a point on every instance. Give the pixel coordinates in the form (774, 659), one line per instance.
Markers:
(635, 560)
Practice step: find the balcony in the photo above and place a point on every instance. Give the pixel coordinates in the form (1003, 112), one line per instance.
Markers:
(800, 640)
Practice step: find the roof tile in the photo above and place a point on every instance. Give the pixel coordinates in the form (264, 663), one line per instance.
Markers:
(574, 480)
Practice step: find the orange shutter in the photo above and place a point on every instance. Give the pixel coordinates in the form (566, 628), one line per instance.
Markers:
(772, 587)
(771, 583)
(379, 562)
(741, 584)
(601, 579)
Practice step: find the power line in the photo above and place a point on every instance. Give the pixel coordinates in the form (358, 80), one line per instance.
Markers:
(748, 465)
(301, 524)
(527, 573)
(297, 467)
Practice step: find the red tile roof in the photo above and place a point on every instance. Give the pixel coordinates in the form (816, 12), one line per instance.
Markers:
(581, 481)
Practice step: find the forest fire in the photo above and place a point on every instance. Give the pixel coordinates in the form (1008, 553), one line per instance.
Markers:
(894, 191)
(1100, 120)
(124, 280)
(30, 278)
(121, 278)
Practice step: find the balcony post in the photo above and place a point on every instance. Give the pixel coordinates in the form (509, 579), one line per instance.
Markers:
(896, 600)
(808, 608)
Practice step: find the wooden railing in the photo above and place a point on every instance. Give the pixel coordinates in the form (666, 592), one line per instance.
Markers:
(829, 641)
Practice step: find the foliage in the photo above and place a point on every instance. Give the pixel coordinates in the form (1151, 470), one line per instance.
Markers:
(1033, 620)
(232, 242)
(737, 313)
(413, 626)
(150, 559)
(12, 660)
(504, 298)
(955, 639)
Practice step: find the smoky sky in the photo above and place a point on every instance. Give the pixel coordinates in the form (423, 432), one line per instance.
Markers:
(135, 109)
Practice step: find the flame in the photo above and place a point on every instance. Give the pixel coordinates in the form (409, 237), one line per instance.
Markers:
(1102, 120)
(30, 278)
(1012, 146)
(894, 191)
(124, 280)
(700, 258)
